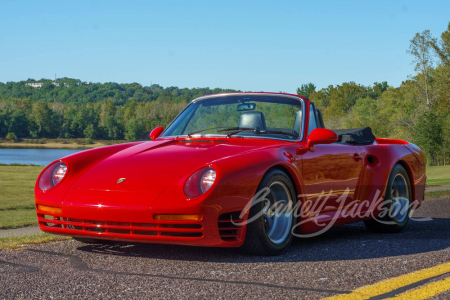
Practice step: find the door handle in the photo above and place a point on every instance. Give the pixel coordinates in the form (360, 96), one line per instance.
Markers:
(357, 157)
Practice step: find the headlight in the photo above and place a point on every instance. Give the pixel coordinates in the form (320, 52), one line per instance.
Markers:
(52, 176)
(207, 180)
(199, 182)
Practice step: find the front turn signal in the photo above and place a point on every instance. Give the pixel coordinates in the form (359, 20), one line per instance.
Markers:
(49, 209)
(177, 217)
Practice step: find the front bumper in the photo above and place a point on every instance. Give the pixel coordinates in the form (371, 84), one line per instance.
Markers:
(212, 230)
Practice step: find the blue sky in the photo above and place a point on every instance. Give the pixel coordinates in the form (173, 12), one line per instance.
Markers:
(247, 45)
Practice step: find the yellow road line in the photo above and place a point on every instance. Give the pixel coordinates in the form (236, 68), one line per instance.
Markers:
(388, 285)
(427, 291)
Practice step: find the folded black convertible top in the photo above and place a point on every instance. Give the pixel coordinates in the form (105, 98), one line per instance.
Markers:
(356, 136)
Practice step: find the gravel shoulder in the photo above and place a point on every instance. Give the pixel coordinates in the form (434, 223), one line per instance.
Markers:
(19, 231)
(444, 187)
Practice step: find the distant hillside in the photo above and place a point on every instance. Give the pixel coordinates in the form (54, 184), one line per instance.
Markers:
(70, 90)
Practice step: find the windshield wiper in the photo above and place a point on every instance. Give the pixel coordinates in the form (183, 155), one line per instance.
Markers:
(221, 130)
(279, 132)
(240, 129)
(258, 131)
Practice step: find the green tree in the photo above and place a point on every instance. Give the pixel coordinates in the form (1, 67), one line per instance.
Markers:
(4, 120)
(442, 74)
(113, 128)
(380, 88)
(306, 90)
(11, 136)
(84, 117)
(429, 134)
(18, 124)
(47, 87)
(421, 48)
(134, 129)
(130, 92)
(90, 132)
(44, 119)
(442, 47)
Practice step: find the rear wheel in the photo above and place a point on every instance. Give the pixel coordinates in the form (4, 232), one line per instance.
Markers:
(270, 233)
(396, 206)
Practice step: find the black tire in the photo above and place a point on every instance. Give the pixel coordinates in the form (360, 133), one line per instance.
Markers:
(90, 241)
(387, 222)
(257, 240)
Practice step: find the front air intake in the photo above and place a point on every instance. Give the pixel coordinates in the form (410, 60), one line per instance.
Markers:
(228, 231)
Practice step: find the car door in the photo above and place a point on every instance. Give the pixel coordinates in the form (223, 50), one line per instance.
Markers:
(330, 173)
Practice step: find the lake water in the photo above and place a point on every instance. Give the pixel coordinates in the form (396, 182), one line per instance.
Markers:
(41, 157)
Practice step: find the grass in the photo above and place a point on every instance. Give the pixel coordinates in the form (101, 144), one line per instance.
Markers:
(437, 194)
(438, 175)
(16, 242)
(17, 196)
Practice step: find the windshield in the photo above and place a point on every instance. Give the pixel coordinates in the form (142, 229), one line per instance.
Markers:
(269, 116)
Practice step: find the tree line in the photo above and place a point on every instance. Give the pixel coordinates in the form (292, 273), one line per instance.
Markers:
(418, 110)
(73, 109)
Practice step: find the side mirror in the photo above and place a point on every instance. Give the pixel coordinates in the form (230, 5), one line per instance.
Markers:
(156, 132)
(321, 136)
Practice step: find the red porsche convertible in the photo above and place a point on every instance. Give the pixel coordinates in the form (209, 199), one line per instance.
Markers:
(249, 170)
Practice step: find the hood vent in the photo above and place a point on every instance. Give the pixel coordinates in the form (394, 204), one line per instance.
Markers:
(199, 141)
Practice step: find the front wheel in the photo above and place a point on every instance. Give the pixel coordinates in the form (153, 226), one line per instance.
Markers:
(270, 232)
(397, 204)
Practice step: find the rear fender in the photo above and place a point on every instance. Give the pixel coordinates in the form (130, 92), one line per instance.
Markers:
(375, 176)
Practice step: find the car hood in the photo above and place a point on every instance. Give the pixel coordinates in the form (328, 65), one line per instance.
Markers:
(155, 165)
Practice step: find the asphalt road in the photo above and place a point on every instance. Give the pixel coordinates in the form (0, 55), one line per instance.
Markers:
(343, 259)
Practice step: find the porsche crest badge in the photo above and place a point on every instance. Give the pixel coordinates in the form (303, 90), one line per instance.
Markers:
(121, 180)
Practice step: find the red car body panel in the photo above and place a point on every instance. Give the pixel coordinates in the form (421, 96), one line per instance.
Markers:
(94, 205)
